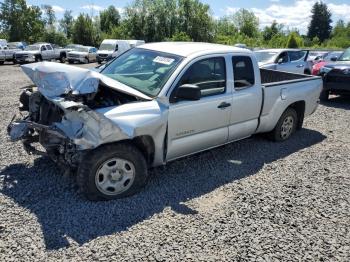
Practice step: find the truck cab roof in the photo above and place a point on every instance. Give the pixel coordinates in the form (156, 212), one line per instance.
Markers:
(186, 49)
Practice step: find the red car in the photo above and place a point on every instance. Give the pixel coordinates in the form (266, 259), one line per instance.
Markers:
(330, 57)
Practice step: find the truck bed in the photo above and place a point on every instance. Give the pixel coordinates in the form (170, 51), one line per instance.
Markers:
(272, 77)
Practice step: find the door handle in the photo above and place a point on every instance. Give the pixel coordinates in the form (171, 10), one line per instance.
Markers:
(223, 105)
(300, 65)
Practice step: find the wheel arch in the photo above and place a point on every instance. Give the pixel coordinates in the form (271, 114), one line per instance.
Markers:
(144, 143)
(299, 107)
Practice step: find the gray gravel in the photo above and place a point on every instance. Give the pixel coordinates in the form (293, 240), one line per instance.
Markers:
(252, 200)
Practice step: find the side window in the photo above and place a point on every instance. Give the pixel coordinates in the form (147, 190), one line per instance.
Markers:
(208, 74)
(283, 58)
(43, 48)
(48, 47)
(296, 55)
(243, 71)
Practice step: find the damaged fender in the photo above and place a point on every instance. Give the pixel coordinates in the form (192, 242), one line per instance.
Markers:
(89, 128)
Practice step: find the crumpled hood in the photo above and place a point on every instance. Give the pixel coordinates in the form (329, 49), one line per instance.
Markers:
(53, 80)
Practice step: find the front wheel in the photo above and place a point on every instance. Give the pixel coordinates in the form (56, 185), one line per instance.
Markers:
(286, 126)
(324, 96)
(63, 59)
(112, 172)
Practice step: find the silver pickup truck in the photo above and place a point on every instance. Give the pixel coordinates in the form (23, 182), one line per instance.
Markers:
(152, 105)
(40, 52)
(7, 54)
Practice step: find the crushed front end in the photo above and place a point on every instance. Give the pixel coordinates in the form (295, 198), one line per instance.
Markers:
(60, 114)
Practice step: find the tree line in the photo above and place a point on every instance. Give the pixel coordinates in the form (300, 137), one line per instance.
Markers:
(166, 20)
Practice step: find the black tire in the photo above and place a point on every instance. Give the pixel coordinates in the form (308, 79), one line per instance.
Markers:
(38, 58)
(63, 58)
(2, 62)
(70, 61)
(276, 134)
(98, 157)
(99, 61)
(324, 96)
(307, 72)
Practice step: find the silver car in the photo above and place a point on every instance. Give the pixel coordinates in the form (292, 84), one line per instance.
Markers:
(288, 60)
(82, 54)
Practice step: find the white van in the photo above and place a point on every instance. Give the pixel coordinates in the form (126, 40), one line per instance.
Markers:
(111, 48)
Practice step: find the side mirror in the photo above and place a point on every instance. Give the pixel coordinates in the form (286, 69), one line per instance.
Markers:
(280, 61)
(334, 58)
(189, 92)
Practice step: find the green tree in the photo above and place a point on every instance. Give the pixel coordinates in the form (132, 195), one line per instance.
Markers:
(50, 17)
(84, 32)
(270, 31)
(109, 18)
(225, 27)
(195, 20)
(320, 24)
(246, 22)
(21, 22)
(294, 40)
(180, 36)
(67, 22)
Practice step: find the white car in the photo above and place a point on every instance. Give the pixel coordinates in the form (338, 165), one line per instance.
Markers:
(288, 60)
(82, 54)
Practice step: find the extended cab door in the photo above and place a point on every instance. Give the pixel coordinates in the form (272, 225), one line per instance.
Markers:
(194, 126)
(50, 52)
(247, 98)
(297, 61)
(44, 53)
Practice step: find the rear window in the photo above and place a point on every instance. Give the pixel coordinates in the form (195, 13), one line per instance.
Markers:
(243, 72)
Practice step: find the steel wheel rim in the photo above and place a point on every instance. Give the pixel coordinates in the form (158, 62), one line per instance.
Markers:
(115, 176)
(287, 127)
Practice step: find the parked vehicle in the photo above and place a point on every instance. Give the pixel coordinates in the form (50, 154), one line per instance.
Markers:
(331, 56)
(336, 77)
(39, 52)
(111, 48)
(17, 45)
(287, 60)
(3, 42)
(134, 43)
(82, 54)
(7, 54)
(72, 47)
(154, 104)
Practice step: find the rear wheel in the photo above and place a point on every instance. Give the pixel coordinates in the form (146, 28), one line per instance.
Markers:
(324, 96)
(112, 172)
(286, 126)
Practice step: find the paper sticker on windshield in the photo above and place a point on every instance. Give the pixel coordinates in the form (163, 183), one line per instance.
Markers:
(163, 60)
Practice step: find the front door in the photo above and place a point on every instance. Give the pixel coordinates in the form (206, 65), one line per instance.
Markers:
(194, 126)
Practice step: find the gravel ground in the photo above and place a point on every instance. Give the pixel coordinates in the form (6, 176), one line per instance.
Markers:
(251, 200)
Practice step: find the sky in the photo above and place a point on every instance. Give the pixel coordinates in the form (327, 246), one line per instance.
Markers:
(292, 13)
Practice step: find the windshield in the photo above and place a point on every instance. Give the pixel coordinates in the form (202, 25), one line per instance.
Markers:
(345, 56)
(329, 56)
(32, 48)
(145, 70)
(82, 49)
(266, 56)
(108, 47)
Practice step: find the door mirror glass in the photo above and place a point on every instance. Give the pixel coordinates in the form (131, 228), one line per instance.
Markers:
(188, 92)
(334, 58)
(280, 60)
